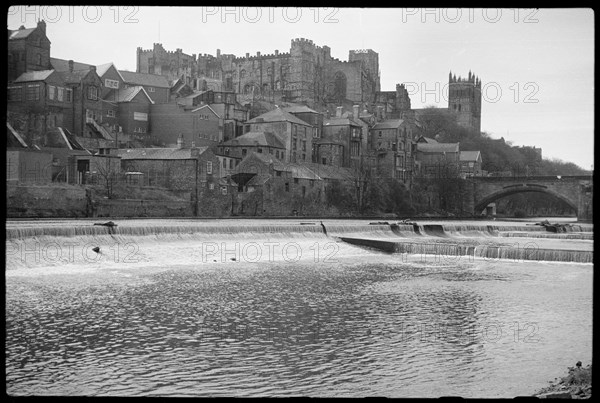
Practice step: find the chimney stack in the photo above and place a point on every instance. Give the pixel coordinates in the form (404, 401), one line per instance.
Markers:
(338, 112)
(218, 52)
(71, 66)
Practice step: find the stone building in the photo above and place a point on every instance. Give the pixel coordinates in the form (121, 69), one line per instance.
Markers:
(306, 74)
(464, 100)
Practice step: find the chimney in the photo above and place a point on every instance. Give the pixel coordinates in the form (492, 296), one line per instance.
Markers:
(355, 112)
(42, 25)
(218, 52)
(338, 112)
(276, 52)
(71, 66)
(180, 141)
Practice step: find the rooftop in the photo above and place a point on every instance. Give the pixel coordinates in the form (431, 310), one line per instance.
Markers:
(159, 153)
(256, 138)
(148, 80)
(277, 115)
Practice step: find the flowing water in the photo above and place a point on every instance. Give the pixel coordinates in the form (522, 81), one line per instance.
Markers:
(253, 308)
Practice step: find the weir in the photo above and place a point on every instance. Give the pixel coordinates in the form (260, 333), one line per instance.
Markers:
(439, 239)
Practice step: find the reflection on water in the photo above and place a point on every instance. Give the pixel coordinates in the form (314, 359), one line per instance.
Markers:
(360, 328)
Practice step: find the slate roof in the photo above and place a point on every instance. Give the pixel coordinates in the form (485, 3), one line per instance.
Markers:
(148, 80)
(340, 122)
(278, 115)
(256, 138)
(74, 76)
(21, 33)
(158, 153)
(300, 170)
(298, 109)
(388, 124)
(127, 94)
(63, 65)
(469, 155)
(34, 76)
(438, 147)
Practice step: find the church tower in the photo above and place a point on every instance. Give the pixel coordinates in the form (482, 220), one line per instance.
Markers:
(464, 99)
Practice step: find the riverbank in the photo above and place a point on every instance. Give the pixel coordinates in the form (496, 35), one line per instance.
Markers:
(576, 385)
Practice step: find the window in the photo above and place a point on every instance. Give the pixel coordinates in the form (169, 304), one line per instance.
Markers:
(92, 92)
(33, 92)
(111, 83)
(39, 59)
(68, 95)
(295, 180)
(303, 191)
(209, 167)
(287, 186)
(51, 92)
(60, 94)
(211, 186)
(110, 113)
(224, 163)
(230, 164)
(224, 190)
(244, 151)
(324, 161)
(15, 93)
(259, 150)
(278, 173)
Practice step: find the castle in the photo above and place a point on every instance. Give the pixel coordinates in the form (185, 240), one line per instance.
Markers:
(307, 74)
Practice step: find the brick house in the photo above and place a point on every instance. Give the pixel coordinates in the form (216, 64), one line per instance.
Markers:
(295, 134)
(268, 186)
(438, 159)
(470, 163)
(197, 125)
(258, 142)
(28, 50)
(392, 142)
(156, 86)
(346, 131)
(38, 101)
(191, 171)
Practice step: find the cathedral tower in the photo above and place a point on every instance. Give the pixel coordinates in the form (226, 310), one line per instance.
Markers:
(464, 99)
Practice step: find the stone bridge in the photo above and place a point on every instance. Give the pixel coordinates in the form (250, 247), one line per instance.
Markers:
(576, 191)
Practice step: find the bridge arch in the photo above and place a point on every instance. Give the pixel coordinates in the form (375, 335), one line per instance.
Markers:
(481, 204)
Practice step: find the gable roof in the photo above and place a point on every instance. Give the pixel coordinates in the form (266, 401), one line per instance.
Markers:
(13, 138)
(20, 33)
(103, 68)
(149, 80)
(159, 153)
(261, 138)
(470, 155)
(340, 122)
(298, 109)
(74, 76)
(34, 76)
(63, 65)
(438, 147)
(278, 115)
(127, 94)
(206, 106)
(388, 124)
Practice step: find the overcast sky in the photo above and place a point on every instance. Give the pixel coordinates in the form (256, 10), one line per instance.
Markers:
(536, 66)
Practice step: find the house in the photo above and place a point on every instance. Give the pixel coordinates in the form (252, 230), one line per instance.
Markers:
(294, 133)
(28, 50)
(156, 86)
(190, 171)
(470, 163)
(346, 131)
(258, 142)
(269, 186)
(439, 160)
(196, 125)
(391, 141)
(23, 163)
(38, 101)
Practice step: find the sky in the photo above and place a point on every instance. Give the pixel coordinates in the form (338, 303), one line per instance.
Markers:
(536, 65)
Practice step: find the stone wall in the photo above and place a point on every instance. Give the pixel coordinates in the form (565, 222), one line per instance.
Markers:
(46, 201)
(142, 208)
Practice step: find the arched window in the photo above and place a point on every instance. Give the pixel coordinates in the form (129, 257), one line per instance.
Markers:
(339, 86)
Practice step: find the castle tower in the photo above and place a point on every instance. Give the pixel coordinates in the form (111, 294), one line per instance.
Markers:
(464, 99)
(302, 70)
(370, 60)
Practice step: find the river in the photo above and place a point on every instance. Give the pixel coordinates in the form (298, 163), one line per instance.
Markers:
(205, 308)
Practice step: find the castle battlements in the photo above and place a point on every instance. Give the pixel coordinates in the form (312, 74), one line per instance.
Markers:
(470, 79)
